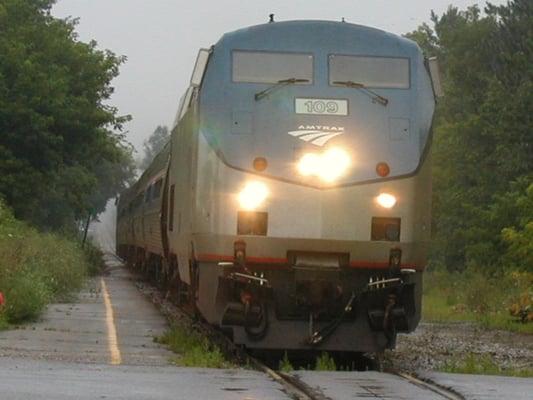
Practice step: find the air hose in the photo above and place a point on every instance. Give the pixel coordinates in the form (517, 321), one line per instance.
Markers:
(319, 336)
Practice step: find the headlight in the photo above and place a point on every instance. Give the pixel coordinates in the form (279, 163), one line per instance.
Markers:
(328, 166)
(253, 195)
(309, 164)
(386, 200)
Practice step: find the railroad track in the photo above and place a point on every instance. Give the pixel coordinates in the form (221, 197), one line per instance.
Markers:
(294, 387)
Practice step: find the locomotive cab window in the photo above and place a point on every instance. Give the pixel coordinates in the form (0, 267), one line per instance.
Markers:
(269, 67)
(375, 72)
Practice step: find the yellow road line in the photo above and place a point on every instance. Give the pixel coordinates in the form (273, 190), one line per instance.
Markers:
(112, 340)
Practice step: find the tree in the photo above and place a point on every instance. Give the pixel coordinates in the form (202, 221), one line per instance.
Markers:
(482, 136)
(153, 145)
(57, 131)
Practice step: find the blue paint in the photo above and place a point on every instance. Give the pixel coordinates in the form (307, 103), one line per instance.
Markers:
(396, 134)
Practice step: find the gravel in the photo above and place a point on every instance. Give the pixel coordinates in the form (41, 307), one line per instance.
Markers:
(433, 345)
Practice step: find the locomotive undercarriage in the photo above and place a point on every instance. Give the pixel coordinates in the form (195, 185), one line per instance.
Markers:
(313, 307)
(301, 306)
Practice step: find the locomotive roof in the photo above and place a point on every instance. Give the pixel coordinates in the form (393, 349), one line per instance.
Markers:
(299, 34)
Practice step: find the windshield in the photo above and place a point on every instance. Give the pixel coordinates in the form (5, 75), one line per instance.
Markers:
(266, 67)
(376, 72)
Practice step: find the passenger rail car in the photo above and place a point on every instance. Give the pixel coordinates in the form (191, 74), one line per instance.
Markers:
(293, 201)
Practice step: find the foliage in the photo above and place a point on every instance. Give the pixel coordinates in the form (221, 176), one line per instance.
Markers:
(3, 321)
(153, 145)
(482, 365)
(493, 301)
(194, 349)
(31, 275)
(61, 148)
(325, 363)
(483, 136)
(94, 257)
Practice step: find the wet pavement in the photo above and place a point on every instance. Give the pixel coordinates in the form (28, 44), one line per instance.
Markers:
(79, 332)
(102, 347)
(483, 387)
(23, 379)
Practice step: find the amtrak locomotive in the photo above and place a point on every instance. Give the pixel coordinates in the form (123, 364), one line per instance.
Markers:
(291, 207)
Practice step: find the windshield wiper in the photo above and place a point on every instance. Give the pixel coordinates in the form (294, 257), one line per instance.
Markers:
(278, 84)
(356, 85)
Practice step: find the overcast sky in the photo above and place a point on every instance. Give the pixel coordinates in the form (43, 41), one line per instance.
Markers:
(161, 38)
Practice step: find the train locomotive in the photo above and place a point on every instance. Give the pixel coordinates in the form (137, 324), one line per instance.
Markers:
(291, 207)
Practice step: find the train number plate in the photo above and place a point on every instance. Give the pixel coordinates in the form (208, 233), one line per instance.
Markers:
(321, 106)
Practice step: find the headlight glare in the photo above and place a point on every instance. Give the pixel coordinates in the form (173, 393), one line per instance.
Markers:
(253, 195)
(386, 200)
(309, 164)
(328, 166)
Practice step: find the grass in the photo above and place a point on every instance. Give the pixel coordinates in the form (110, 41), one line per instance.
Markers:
(194, 349)
(3, 322)
(37, 268)
(483, 365)
(325, 362)
(473, 296)
(285, 364)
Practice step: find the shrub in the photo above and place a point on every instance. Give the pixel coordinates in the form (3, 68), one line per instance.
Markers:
(35, 268)
(479, 295)
(94, 257)
(26, 295)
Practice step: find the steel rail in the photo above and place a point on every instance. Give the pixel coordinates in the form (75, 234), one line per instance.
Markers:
(292, 389)
(292, 386)
(444, 392)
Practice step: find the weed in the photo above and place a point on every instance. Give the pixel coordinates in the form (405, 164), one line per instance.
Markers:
(26, 296)
(35, 268)
(325, 363)
(194, 349)
(94, 257)
(482, 365)
(476, 296)
(285, 364)
(3, 321)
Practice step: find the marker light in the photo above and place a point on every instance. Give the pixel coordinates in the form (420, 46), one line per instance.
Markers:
(260, 164)
(253, 195)
(328, 166)
(382, 169)
(386, 200)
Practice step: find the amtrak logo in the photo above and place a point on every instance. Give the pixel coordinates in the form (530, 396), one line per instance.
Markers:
(317, 134)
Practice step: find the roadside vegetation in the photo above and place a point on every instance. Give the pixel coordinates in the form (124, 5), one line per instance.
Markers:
(483, 365)
(501, 301)
(482, 250)
(63, 155)
(38, 268)
(193, 349)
